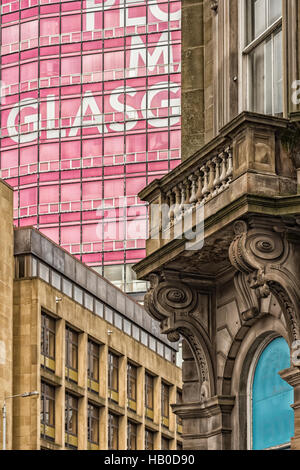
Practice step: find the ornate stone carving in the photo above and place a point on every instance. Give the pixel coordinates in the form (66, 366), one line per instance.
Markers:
(287, 307)
(165, 297)
(247, 300)
(173, 336)
(214, 5)
(262, 256)
(200, 357)
(177, 305)
(255, 248)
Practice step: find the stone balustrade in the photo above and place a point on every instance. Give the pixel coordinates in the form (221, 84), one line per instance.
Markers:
(247, 155)
(210, 179)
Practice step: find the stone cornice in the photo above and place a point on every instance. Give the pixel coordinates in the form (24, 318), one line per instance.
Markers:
(246, 204)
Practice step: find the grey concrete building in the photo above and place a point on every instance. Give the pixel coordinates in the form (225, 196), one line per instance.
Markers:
(236, 299)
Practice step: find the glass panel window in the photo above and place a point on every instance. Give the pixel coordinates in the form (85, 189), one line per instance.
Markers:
(263, 52)
(168, 353)
(152, 343)
(93, 366)
(71, 354)
(113, 375)
(115, 274)
(144, 338)
(67, 287)
(99, 308)
(165, 403)
(131, 436)
(127, 326)
(44, 272)
(78, 295)
(164, 443)
(131, 385)
(136, 332)
(113, 432)
(149, 440)
(47, 411)
(109, 315)
(93, 424)
(48, 341)
(262, 15)
(71, 420)
(149, 388)
(118, 321)
(55, 280)
(88, 301)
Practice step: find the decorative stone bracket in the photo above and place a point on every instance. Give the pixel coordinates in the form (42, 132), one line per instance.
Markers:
(265, 263)
(177, 305)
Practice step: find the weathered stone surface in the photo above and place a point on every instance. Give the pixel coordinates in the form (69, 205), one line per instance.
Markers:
(249, 264)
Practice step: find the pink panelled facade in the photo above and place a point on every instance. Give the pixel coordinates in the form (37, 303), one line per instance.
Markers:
(90, 114)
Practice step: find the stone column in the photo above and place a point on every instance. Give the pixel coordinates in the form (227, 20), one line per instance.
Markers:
(292, 377)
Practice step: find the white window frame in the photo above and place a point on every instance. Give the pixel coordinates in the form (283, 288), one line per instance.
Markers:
(245, 90)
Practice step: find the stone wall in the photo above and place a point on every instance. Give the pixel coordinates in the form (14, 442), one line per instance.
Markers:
(6, 298)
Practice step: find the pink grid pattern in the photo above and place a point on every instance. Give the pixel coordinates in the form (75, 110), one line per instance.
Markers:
(90, 114)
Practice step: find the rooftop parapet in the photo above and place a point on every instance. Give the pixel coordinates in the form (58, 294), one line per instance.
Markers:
(29, 241)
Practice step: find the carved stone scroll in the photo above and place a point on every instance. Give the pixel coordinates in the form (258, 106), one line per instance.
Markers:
(263, 259)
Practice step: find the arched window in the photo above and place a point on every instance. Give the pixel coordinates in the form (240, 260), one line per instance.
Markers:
(263, 56)
(271, 397)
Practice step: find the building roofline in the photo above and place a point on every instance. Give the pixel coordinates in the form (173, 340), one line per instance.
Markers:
(28, 240)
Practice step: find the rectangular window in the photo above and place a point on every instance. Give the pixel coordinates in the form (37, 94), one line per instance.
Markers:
(165, 443)
(113, 377)
(131, 385)
(48, 342)
(149, 393)
(93, 427)
(164, 404)
(113, 432)
(71, 355)
(93, 366)
(149, 440)
(71, 421)
(263, 52)
(47, 411)
(131, 436)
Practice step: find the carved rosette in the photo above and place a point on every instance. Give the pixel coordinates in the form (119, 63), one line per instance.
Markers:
(164, 298)
(261, 256)
(175, 304)
(256, 248)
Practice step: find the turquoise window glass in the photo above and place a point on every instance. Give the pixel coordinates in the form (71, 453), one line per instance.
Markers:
(273, 417)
